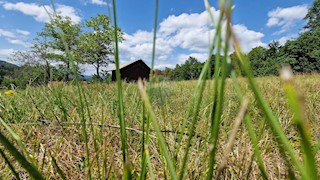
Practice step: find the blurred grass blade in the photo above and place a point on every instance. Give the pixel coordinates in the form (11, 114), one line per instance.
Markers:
(151, 81)
(14, 172)
(57, 168)
(19, 142)
(220, 75)
(119, 89)
(296, 103)
(277, 131)
(194, 114)
(31, 169)
(232, 137)
(154, 41)
(156, 127)
(250, 128)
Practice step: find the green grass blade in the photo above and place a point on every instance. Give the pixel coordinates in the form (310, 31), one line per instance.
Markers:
(197, 99)
(19, 141)
(14, 172)
(31, 169)
(57, 168)
(119, 88)
(219, 83)
(143, 153)
(295, 102)
(156, 127)
(281, 138)
(250, 128)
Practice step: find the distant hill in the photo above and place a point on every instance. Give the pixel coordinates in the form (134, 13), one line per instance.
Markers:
(6, 68)
(6, 65)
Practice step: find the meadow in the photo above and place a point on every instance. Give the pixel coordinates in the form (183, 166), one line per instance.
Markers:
(225, 125)
(48, 121)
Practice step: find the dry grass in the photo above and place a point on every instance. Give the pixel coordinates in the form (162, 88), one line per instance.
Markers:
(39, 119)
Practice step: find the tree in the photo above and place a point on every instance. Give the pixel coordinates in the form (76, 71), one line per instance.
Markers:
(28, 74)
(38, 54)
(62, 37)
(257, 57)
(313, 17)
(191, 69)
(96, 45)
(303, 54)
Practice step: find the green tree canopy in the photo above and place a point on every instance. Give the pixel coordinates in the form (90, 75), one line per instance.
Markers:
(62, 37)
(96, 44)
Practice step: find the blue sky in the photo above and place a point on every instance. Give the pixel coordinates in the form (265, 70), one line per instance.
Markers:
(183, 26)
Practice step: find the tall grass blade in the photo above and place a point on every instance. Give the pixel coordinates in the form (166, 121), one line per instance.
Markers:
(31, 169)
(197, 99)
(156, 127)
(219, 82)
(295, 102)
(119, 89)
(57, 168)
(145, 142)
(14, 172)
(250, 128)
(281, 138)
(17, 138)
(70, 58)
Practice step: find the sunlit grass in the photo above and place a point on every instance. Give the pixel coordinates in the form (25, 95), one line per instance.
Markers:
(236, 128)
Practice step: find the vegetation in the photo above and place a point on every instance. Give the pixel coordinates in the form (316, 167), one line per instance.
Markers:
(220, 126)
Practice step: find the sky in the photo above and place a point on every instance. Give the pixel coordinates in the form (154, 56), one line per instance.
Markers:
(183, 25)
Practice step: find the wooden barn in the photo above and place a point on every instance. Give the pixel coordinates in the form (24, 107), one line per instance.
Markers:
(132, 71)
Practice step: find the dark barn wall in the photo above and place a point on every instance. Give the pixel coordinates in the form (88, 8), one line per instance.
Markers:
(133, 72)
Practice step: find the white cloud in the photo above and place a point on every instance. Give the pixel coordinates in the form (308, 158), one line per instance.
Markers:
(23, 32)
(39, 13)
(284, 39)
(181, 36)
(199, 56)
(19, 42)
(285, 18)
(4, 53)
(99, 2)
(248, 38)
(6, 33)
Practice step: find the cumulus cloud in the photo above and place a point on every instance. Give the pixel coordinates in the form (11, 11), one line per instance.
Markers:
(199, 56)
(6, 33)
(4, 53)
(285, 18)
(23, 32)
(248, 38)
(286, 38)
(39, 13)
(19, 42)
(99, 2)
(181, 36)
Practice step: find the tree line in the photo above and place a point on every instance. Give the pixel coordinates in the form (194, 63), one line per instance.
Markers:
(91, 42)
(61, 46)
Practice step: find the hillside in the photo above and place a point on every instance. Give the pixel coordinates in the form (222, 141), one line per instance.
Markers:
(5, 66)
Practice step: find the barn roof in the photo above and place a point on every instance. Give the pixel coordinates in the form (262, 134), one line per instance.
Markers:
(122, 65)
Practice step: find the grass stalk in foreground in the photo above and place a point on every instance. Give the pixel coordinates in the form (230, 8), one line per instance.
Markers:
(196, 100)
(146, 129)
(31, 169)
(277, 131)
(119, 89)
(250, 129)
(14, 172)
(70, 58)
(295, 103)
(156, 127)
(219, 80)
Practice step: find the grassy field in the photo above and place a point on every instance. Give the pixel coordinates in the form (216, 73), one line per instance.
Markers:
(48, 121)
(230, 128)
